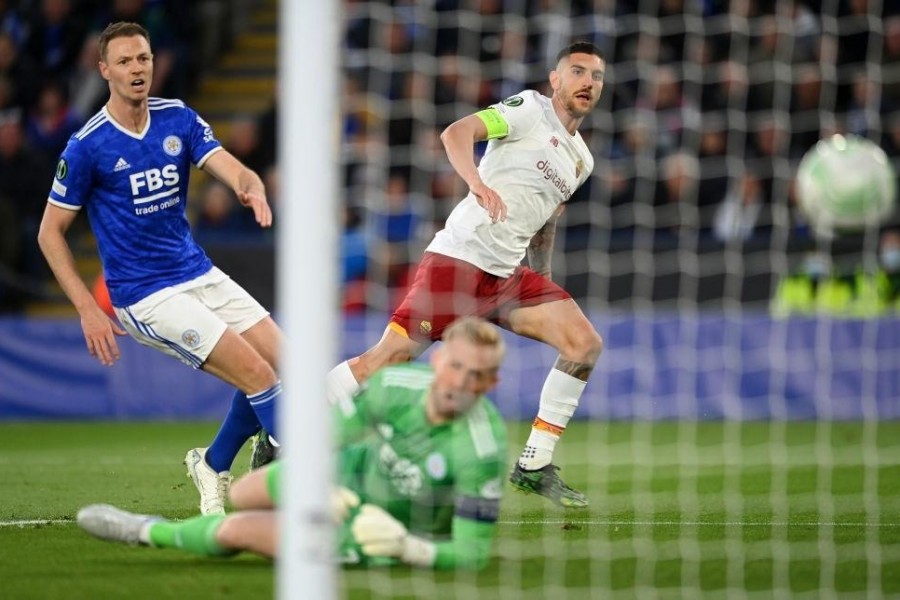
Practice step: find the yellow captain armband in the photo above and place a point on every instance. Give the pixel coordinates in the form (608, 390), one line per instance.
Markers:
(496, 125)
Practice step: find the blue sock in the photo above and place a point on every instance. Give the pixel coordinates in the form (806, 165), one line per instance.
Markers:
(239, 424)
(263, 405)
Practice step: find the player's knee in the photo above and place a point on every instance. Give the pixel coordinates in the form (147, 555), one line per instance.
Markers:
(586, 345)
(259, 375)
(231, 532)
(250, 491)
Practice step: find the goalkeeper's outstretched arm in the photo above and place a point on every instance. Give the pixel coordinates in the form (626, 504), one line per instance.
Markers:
(469, 547)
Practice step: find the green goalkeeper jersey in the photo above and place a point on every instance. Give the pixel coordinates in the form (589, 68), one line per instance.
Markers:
(442, 481)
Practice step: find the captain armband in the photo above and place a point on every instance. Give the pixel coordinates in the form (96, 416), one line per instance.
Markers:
(496, 125)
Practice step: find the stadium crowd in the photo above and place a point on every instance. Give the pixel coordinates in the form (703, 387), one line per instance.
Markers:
(710, 105)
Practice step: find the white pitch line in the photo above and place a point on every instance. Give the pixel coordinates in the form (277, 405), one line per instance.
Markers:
(697, 523)
(28, 522)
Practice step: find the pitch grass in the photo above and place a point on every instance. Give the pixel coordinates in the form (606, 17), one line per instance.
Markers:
(680, 510)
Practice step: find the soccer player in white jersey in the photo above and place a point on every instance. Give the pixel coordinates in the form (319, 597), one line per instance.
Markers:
(129, 167)
(535, 160)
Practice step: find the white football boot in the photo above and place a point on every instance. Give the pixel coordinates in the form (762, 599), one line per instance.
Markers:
(213, 487)
(115, 525)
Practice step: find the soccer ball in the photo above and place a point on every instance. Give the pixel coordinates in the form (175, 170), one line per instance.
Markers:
(846, 183)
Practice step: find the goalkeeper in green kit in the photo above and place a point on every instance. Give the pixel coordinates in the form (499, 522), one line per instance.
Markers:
(422, 458)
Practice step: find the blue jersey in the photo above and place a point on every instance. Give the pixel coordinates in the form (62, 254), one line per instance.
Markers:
(134, 186)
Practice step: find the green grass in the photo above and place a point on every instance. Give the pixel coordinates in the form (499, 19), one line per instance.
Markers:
(679, 510)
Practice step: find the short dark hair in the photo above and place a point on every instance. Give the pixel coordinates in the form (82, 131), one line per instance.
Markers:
(580, 47)
(117, 30)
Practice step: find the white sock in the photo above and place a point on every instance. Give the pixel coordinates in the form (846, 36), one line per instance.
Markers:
(559, 399)
(341, 386)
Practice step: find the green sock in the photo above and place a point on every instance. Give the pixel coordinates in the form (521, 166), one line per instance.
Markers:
(196, 535)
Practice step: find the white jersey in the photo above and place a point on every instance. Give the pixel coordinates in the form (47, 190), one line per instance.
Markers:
(535, 168)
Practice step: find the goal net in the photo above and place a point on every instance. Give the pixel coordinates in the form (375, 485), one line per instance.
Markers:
(738, 437)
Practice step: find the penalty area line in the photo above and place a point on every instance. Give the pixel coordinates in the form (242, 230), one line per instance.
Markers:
(625, 523)
(30, 522)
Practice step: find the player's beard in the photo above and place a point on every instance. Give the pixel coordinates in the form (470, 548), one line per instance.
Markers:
(573, 104)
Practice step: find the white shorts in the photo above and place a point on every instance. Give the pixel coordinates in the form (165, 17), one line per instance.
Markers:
(187, 320)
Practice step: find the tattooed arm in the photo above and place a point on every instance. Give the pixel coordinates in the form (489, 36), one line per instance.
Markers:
(540, 250)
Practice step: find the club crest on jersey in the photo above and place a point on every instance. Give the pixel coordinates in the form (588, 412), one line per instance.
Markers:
(436, 465)
(172, 145)
(579, 167)
(554, 141)
(62, 169)
(425, 327)
(190, 338)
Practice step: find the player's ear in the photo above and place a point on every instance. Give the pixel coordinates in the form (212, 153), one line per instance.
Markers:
(554, 79)
(104, 70)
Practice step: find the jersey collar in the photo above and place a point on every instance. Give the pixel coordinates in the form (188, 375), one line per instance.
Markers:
(128, 132)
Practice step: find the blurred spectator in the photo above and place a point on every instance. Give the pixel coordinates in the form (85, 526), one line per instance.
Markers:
(220, 217)
(354, 246)
(12, 23)
(243, 142)
(395, 227)
(737, 215)
(767, 154)
(854, 35)
(89, 90)
(676, 196)
(51, 122)
(57, 32)
(674, 114)
(890, 67)
(865, 107)
(713, 156)
(354, 261)
(726, 88)
(23, 186)
(20, 71)
(806, 101)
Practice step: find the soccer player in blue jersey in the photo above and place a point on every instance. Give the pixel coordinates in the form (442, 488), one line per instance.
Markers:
(129, 167)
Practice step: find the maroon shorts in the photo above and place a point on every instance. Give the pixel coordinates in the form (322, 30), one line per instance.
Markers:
(445, 289)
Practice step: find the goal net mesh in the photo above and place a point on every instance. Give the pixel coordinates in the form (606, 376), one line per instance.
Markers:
(738, 437)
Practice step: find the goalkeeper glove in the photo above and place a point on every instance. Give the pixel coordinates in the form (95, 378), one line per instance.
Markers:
(343, 501)
(380, 534)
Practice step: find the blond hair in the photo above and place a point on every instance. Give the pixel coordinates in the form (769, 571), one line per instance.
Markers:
(477, 331)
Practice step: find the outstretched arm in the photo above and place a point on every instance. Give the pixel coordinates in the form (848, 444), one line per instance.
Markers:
(99, 331)
(459, 139)
(540, 250)
(246, 184)
(380, 534)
